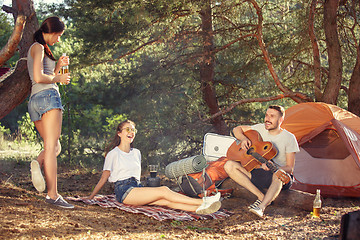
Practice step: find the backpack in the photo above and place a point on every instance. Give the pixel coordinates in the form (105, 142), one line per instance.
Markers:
(208, 180)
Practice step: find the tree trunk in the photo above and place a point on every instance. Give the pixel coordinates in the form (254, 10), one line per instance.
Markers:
(354, 87)
(14, 88)
(332, 88)
(316, 52)
(207, 65)
(26, 7)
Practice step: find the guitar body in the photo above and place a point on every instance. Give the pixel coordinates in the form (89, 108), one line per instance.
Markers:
(259, 152)
(249, 162)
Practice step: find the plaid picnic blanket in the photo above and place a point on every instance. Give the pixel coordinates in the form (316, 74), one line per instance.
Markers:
(157, 212)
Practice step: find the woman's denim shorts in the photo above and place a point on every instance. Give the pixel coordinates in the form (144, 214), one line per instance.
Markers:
(123, 188)
(43, 102)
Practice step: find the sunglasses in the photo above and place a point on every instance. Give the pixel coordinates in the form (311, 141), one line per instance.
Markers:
(129, 129)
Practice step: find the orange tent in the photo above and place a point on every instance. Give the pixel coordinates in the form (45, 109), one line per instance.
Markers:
(329, 157)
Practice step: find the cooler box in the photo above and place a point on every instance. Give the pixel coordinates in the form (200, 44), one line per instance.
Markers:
(215, 146)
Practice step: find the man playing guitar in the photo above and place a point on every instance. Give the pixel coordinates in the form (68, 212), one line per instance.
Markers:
(259, 178)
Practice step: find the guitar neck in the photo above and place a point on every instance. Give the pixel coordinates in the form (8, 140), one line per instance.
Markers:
(261, 159)
(282, 175)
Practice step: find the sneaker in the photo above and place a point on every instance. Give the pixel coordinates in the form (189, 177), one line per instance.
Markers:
(60, 202)
(215, 197)
(36, 176)
(258, 211)
(255, 204)
(209, 205)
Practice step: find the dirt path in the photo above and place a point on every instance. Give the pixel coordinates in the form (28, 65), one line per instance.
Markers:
(25, 215)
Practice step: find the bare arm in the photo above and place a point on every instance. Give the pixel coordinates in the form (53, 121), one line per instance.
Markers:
(104, 177)
(38, 55)
(290, 162)
(239, 134)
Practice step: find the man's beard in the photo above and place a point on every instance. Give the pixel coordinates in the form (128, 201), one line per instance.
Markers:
(275, 126)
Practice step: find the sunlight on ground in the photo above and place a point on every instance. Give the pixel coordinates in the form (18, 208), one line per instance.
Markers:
(18, 150)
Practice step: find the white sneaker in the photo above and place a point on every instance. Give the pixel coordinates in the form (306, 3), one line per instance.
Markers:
(258, 211)
(210, 204)
(214, 198)
(36, 176)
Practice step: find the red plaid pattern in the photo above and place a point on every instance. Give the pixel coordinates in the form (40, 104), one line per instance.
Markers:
(157, 212)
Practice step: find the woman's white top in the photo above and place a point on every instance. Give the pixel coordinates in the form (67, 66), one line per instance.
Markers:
(48, 67)
(123, 165)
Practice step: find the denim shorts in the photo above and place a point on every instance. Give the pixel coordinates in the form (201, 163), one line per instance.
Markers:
(263, 179)
(123, 187)
(43, 102)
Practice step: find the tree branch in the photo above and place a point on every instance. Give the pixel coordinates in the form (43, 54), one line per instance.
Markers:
(249, 100)
(9, 49)
(231, 43)
(8, 9)
(299, 97)
(127, 53)
(142, 45)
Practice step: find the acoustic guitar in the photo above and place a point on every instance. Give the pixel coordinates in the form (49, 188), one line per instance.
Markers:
(259, 152)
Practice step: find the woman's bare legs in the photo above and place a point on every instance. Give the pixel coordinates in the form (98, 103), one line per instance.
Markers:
(41, 156)
(162, 196)
(49, 128)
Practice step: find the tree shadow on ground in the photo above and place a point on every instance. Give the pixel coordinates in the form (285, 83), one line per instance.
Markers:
(25, 215)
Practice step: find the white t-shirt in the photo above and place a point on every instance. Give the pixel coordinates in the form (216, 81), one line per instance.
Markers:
(123, 165)
(284, 142)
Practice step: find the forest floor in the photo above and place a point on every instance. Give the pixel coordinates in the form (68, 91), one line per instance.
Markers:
(25, 215)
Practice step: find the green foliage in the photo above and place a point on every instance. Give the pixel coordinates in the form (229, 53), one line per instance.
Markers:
(4, 130)
(113, 121)
(160, 91)
(26, 129)
(6, 28)
(140, 60)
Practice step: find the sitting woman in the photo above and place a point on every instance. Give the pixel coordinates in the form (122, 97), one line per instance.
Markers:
(123, 167)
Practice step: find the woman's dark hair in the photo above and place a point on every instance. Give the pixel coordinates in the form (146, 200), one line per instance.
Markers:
(116, 140)
(50, 25)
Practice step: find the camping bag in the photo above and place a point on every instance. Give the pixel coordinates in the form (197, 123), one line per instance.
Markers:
(185, 166)
(205, 182)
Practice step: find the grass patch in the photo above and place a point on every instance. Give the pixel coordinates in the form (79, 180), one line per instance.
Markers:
(15, 150)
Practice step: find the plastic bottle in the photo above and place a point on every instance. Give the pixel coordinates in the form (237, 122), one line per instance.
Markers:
(317, 204)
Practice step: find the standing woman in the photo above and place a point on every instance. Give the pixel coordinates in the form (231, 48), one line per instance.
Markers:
(123, 167)
(45, 106)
